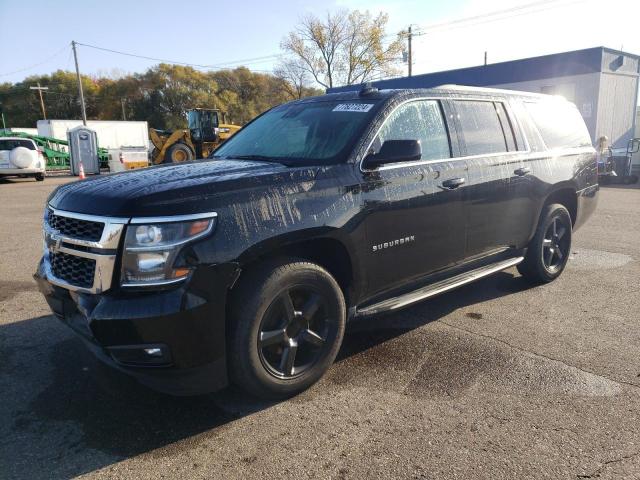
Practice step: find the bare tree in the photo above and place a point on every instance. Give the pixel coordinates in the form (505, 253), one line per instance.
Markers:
(343, 48)
(295, 77)
(316, 44)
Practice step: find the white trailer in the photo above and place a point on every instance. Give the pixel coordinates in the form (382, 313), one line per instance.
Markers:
(111, 134)
(29, 131)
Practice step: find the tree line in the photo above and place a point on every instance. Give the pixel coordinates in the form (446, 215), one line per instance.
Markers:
(160, 96)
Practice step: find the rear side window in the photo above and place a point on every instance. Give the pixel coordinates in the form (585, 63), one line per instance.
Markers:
(11, 144)
(418, 120)
(485, 127)
(559, 123)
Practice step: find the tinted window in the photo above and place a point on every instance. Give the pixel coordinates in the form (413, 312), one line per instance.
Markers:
(559, 123)
(533, 137)
(420, 120)
(302, 133)
(11, 144)
(481, 127)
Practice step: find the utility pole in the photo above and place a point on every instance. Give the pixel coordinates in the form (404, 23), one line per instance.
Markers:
(40, 89)
(84, 110)
(409, 56)
(485, 57)
(124, 115)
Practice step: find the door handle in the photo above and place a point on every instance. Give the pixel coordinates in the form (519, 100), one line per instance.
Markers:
(521, 172)
(452, 183)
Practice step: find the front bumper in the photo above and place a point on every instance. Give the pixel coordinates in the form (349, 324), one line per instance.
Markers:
(183, 327)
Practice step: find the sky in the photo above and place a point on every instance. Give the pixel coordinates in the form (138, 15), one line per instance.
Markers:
(226, 34)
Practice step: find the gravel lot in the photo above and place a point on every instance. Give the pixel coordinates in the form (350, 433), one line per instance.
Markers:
(495, 380)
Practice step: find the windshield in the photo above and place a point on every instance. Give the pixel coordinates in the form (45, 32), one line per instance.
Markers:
(301, 133)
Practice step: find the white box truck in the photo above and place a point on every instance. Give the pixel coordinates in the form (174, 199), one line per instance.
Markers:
(111, 134)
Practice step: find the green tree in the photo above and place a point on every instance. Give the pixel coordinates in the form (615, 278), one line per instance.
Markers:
(161, 95)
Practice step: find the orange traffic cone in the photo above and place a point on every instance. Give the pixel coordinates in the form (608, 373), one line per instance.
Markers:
(82, 175)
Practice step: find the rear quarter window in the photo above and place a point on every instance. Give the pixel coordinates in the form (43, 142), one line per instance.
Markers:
(559, 123)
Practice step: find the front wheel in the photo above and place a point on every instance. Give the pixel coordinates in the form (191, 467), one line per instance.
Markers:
(287, 324)
(548, 251)
(178, 153)
(39, 177)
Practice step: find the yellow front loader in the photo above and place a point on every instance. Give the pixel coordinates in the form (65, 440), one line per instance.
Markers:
(204, 134)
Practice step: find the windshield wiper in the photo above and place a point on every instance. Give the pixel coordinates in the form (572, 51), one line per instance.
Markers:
(254, 157)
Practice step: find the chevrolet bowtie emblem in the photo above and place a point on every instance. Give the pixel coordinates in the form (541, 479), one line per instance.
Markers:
(56, 242)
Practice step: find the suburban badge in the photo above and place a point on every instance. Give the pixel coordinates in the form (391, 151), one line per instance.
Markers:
(394, 243)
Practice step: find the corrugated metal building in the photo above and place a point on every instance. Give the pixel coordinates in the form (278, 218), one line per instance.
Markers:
(602, 82)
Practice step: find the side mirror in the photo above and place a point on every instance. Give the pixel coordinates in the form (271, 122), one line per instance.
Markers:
(394, 151)
(634, 145)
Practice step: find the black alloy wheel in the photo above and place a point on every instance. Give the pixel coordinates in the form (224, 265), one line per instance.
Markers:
(287, 320)
(294, 331)
(555, 245)
(549, 249)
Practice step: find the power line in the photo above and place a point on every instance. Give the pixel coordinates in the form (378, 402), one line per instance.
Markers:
(493, 16)
(250, 60)
(35, 64)
(496, 15)
(162, 60)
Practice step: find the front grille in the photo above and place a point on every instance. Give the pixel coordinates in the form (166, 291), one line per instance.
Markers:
(76, 228)
(77, 271)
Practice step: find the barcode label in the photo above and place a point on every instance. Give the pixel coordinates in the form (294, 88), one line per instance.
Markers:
(353, 107)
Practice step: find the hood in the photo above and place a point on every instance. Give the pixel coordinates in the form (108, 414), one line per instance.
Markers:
(167, 189)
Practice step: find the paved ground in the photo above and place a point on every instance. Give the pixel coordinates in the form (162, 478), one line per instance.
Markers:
(496, 380)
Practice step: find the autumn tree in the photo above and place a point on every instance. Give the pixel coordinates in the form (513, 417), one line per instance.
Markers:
(161, 95)
(295, 77)
(344, 47)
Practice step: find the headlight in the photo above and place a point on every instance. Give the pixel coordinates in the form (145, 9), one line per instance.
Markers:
(152, 245)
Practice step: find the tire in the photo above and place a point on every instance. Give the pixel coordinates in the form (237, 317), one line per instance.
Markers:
(178, 153)
(286, 327)
(549, 250)
(39, 177)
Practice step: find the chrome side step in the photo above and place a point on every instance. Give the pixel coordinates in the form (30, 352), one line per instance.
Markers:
(437, 288)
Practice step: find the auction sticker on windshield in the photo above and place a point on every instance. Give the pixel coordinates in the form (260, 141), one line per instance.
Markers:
(353, 107)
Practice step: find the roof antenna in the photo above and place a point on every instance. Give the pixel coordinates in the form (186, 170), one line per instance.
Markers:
(367, 89)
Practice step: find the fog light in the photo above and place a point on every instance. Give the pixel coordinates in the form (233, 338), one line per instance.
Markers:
(156, 355)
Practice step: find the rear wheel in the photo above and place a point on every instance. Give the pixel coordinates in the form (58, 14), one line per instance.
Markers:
(548, 251)
(288, 320)
(39, 177)
(178, 153)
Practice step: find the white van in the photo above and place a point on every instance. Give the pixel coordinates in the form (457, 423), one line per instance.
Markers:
(21, 157)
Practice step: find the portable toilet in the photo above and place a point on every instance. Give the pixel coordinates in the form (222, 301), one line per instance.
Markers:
(83, 147)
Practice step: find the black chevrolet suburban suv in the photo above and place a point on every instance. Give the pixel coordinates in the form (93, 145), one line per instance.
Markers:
(246, 266)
